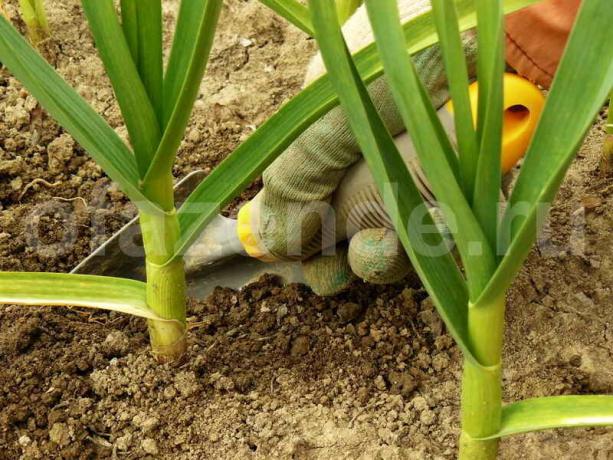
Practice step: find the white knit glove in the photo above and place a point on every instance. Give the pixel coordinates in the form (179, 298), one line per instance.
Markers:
(304, 178)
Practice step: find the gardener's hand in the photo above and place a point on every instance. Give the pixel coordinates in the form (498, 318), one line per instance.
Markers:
(299, 185)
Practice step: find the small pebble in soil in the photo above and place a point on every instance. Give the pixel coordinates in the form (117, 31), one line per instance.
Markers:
(281, 312)
(419, 403)
(24, 440)
(221, 382)
(300, 346)
(402, 383)
(124, 442)
(149, 446)
(60, 434)
(380, 383)
(59, 151)
(149, 424)
(362, 328)
(427, 417)
(170, 392)
(187, 384)
(116, 344)
(348, 311)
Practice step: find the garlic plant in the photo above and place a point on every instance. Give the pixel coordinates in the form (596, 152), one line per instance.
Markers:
(471, 298)
(34, 15)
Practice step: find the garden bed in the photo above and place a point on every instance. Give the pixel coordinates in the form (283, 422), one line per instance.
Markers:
(271, 371)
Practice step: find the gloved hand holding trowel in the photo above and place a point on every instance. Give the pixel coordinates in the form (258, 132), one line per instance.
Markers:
(321, 178)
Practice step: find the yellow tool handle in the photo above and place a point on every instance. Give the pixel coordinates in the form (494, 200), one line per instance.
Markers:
(522, 105)
(247, 224)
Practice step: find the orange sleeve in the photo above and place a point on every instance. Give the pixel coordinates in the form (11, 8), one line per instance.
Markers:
(536, 37)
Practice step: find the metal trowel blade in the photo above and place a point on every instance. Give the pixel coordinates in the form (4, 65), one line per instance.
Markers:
(122, 256)
(238, 271)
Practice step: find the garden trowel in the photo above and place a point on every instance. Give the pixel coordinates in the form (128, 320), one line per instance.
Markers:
(220, 260)
(228, 252)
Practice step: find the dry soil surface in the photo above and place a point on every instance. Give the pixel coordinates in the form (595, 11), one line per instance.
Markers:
(272, 371)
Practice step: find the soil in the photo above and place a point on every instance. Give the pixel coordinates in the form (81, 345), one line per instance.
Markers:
(272, 371)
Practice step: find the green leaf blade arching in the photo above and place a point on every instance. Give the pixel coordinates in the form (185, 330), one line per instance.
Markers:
(346, 8)
(70, 110)
(150, 58)
(138, 112)
(35, 17)
(431, 142)
(583, 80)
(61, 289)
(186, 65)
(490, 70)
(556, 412)
(446, 18)
(248, 161)
(438, 271)
(293, 11)
(41, 15)
(129, 25)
